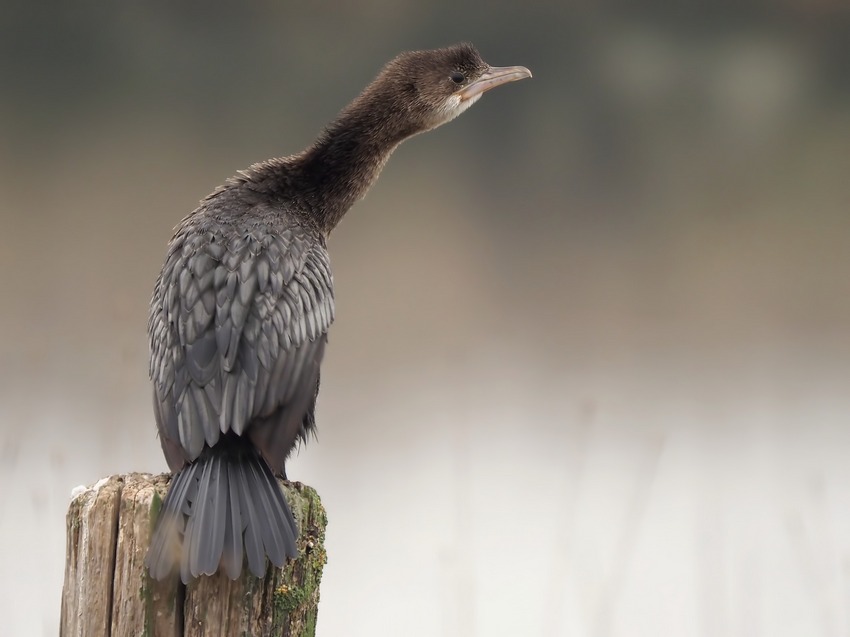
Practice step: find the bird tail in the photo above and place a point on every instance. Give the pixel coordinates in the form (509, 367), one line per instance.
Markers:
(226, 501)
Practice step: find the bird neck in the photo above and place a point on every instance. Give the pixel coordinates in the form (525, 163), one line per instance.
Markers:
(347, 158)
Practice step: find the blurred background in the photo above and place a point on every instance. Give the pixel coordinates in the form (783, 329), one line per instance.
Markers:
(590, 373)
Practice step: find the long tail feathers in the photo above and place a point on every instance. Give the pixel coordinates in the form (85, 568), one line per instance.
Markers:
(217, 507)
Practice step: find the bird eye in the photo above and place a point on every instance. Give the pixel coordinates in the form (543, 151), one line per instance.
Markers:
(457, 77)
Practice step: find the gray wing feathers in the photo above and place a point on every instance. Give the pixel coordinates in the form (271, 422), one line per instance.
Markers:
(237, 331)
(273, 434)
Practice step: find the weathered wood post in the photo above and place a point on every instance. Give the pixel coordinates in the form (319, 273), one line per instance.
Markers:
(107, 591)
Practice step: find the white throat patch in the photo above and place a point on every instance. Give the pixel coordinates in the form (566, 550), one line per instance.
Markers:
(454, 106)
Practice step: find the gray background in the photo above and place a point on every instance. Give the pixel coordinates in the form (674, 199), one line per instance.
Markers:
(591, 363)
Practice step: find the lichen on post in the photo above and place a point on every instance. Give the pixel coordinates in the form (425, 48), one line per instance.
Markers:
(107, 589)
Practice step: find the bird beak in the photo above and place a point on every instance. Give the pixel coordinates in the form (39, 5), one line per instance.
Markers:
(493, 77)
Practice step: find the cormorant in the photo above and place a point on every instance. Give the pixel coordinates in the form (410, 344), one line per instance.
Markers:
(241, 309)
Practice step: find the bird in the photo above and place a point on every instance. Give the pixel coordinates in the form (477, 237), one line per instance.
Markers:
(241, 309)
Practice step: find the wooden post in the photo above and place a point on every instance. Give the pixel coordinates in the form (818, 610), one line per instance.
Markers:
(107, 591)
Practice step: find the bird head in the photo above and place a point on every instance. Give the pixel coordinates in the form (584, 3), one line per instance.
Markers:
(429, 88)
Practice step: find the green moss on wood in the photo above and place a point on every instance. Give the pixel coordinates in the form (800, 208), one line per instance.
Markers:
(288, 598)
(156, 507)
(146, 595)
